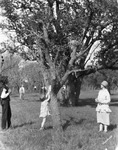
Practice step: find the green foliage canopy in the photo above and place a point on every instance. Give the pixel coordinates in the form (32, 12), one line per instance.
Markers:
(59, 34)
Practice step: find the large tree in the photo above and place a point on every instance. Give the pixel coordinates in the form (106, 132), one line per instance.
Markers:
(59, 35)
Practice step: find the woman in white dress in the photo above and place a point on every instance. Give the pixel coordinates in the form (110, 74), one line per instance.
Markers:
(44, 108)
(103, 110)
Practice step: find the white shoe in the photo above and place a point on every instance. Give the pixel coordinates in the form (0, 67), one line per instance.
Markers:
(116, 147)
(105, 131)
(100, 130)
(41, 128)
(3, 130)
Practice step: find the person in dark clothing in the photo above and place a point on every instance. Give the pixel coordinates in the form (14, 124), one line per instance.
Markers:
(6, 109)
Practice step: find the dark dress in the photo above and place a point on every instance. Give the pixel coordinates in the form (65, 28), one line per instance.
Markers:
(6, 112)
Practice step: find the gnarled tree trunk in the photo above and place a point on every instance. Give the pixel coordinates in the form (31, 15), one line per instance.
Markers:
(56, 120)
(73, 88)
(57, 133)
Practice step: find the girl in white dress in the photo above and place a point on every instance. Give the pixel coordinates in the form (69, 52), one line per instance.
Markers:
(44, 108)
(103, 110)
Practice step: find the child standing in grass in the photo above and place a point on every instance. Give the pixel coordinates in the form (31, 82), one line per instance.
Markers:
(103, 110)
(44, 109)
(22, 92)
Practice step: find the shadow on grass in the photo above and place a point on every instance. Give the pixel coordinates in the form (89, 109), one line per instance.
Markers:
(80, 122)
(21, 125)
(48, 127)
(73, 121)
(66, 124)
(112, 127)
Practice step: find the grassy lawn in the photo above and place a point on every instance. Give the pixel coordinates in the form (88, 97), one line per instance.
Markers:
(79, 123)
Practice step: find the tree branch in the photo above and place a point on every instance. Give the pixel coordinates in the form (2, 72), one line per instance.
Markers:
(88, 22)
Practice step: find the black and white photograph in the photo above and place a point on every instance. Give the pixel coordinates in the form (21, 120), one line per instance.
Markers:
(58, 74)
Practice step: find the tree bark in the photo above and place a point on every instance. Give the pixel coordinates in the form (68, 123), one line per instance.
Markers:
(73, 90)
(57, 133)
(56, 120)
(77, 90)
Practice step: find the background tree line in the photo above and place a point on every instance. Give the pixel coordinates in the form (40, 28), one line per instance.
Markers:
(93, 81)
(20, 72)
(29, 74)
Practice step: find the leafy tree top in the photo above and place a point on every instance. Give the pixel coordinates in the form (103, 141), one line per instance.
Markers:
(59, 34)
